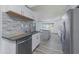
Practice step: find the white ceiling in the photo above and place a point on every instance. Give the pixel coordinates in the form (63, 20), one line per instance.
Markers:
(49, 11)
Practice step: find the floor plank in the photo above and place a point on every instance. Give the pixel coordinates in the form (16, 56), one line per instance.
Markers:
(51, 46)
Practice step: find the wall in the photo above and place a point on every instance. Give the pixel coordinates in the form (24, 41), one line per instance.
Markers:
(0, 27)
(11, 24)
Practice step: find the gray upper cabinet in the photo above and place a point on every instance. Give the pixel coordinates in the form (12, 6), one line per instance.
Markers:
(15, 8)
(27, 12)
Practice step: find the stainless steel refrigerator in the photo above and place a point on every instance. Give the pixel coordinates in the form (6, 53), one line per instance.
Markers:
(70, 41)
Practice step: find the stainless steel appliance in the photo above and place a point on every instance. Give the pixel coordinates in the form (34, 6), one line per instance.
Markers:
(24, 45)
(71, 37)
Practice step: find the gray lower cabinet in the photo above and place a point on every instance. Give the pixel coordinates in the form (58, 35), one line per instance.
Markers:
(24, 45)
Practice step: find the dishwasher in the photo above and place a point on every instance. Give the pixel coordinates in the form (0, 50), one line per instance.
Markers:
(24, 45)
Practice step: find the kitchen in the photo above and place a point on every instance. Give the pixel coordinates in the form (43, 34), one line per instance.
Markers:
(25, 32)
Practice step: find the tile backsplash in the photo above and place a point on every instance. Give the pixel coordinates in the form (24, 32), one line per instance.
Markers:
(11, 24)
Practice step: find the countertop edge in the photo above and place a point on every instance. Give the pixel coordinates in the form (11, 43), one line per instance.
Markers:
(10, 38)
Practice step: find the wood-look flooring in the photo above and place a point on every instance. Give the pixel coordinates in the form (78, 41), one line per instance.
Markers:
(51, 46)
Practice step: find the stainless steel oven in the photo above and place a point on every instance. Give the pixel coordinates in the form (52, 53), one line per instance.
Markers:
(24, 45)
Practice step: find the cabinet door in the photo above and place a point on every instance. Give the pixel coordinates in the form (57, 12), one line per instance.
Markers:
(8, 46)
(24, 47)
(35, 40)
(15, 8)
(4, 8)
(27, 12)
(38, 37)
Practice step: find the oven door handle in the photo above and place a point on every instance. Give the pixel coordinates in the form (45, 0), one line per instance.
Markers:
(24, 41)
